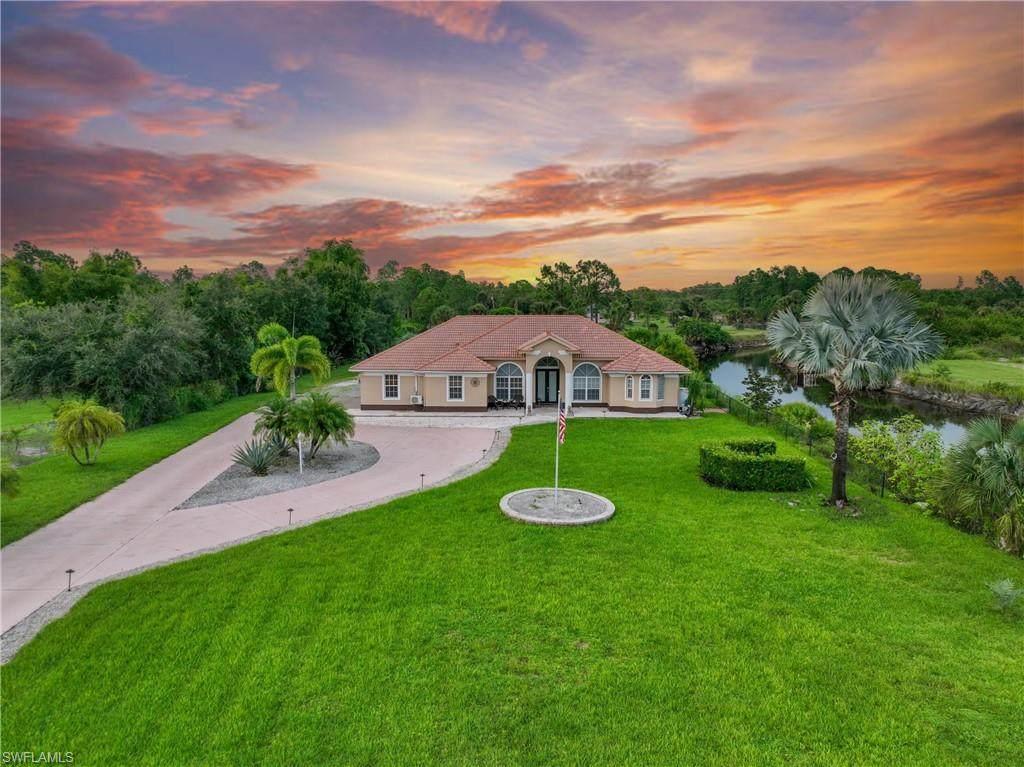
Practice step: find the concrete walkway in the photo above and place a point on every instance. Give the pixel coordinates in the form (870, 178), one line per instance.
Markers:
(136, 524)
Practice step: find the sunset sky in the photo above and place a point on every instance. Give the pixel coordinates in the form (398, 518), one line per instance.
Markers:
(678, 142)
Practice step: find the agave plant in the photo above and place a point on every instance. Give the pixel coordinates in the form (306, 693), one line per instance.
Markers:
(983, 484)
(320, 418)
(257, 456)
(858, 332)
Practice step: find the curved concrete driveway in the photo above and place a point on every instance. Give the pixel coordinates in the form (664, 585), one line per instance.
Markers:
(136, 524)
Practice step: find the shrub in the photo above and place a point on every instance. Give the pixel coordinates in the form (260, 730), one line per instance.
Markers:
(10, 481)
(905, 451)
(807, 420)
(982, 486)
(751, 464)
(257, 456)
(1006, 594)
(83, 426)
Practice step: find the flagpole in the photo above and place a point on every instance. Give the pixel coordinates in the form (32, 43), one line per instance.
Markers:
(558, 415)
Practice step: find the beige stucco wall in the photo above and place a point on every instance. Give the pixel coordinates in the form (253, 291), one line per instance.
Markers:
(549, 349)
(371, 389)
(435, 392)
(617, 392)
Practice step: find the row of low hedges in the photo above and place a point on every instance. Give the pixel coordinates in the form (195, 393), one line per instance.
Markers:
(751, 464)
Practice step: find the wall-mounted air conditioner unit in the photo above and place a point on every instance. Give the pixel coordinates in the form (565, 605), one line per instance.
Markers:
(416, 399)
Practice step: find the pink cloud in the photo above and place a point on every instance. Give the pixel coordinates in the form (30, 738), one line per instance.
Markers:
(471, 20)
(73, 63)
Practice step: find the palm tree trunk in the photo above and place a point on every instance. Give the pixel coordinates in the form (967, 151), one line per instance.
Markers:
(841, 408)
(293, 384)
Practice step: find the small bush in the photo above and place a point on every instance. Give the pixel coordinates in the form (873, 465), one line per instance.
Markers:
(1006, 594)
(257, 456)
(751, 464)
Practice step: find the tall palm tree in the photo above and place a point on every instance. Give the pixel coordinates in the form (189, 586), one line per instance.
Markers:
(858, 332)
(983, 486)
(280, 355)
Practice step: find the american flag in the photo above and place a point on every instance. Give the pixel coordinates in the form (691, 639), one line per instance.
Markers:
(561, 423)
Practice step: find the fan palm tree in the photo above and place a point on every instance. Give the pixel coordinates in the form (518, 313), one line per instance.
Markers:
(983, 485)
(858, 332)
(280, 355)
(82, 426)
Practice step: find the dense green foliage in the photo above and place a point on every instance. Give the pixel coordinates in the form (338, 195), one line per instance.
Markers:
(907, 453)
(751, 464)
(859, 332)
(83, 427)
(982, 487)
(698, 626)
(806, 420)
(703, 334)
(663, 341)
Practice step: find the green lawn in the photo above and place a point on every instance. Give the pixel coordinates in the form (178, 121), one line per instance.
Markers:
(53, 486)
(981, 371)
(699, 626)
(747, 334)
(25, 413)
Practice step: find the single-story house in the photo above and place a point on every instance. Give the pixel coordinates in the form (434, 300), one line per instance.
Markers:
(459, 364)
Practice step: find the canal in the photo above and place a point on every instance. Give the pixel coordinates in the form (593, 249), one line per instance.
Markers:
(728, 371)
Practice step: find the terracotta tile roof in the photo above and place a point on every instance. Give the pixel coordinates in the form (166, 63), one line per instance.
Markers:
(643, 360)
(458, 361)
(476, 338)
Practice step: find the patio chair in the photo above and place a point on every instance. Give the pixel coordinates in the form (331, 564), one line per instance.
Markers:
(518, 402)
(492, 402)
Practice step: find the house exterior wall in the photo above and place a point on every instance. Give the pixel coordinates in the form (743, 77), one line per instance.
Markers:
(371, 392)
(617, 394)
(435, 392)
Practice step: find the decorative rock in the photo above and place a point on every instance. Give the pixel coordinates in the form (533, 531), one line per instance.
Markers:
(575, 507)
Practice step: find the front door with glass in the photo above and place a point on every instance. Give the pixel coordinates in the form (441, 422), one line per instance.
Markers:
(546, 378)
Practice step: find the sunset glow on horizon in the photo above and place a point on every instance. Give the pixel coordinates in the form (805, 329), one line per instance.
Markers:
(679, 143)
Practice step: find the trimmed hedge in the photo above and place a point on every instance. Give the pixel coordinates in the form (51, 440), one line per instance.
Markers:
(751, 464)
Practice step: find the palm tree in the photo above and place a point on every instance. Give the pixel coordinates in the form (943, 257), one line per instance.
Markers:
(983, 485)
(858, 332)
(280, 355)
(321, 418)
(83, 426)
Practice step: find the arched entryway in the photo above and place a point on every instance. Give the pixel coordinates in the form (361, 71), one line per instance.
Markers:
(547, 380)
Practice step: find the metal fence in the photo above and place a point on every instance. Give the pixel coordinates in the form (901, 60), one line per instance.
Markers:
(821, 447)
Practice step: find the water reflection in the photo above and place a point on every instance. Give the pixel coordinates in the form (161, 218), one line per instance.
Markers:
(728, 371)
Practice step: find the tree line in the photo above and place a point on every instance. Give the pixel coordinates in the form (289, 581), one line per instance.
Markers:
(154, 347)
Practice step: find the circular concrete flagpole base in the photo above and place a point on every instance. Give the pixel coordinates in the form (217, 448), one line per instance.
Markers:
(536, 505)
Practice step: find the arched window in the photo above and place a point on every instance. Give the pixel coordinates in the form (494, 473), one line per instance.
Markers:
(586, 383)
(508, 382)
(629, 387)
(645, 386)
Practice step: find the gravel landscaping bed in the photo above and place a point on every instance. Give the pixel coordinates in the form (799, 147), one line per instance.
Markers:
(238, 483)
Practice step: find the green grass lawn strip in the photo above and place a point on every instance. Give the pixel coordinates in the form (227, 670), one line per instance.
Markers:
(698, 626)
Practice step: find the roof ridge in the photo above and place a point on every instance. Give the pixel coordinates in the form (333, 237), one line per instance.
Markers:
(496, 328)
